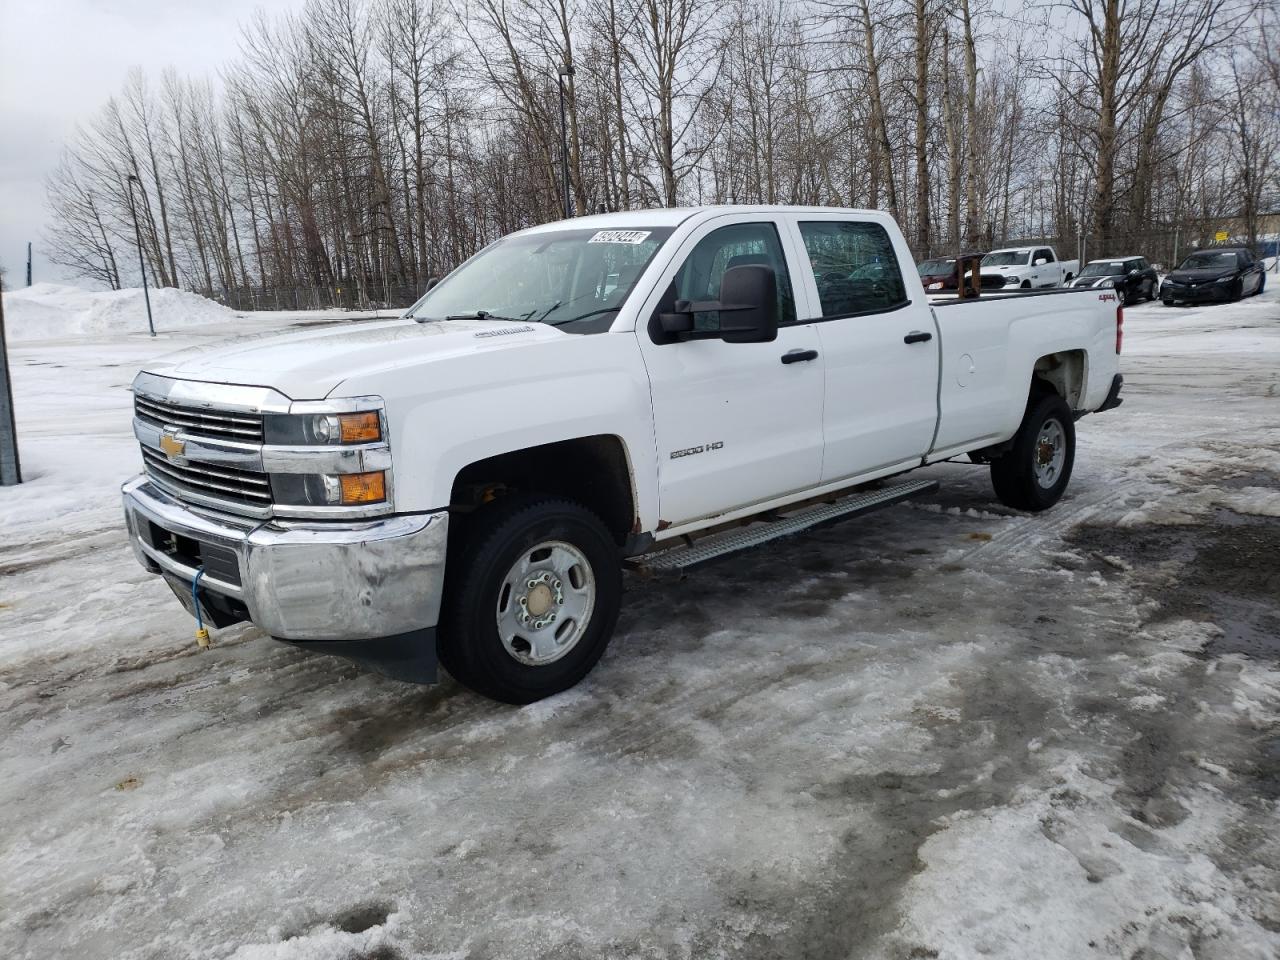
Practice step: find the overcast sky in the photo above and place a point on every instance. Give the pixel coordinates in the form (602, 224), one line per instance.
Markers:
(61, 59)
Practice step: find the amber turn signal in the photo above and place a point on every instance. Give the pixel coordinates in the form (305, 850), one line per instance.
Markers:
(363, 487)
(359, 427)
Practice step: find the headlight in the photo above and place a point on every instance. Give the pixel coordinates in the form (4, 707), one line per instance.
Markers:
(1224, 280)
(322, 428)
(329, 490)
(936, 285)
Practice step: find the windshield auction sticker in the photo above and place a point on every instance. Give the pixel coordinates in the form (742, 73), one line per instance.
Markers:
(619, 236)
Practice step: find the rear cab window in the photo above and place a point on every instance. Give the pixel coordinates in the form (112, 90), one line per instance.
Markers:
(855, 267)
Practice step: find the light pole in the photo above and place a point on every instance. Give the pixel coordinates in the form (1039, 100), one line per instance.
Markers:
(137, 233)
(566, 72)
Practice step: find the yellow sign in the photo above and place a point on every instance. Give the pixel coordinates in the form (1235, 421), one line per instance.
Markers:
(1220, 236)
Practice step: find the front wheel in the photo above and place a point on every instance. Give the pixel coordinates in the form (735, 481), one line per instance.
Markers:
(1034, 472)
(531, 601)
(1237, 290)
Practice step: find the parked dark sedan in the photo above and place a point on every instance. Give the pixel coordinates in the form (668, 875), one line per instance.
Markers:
(1219, 273)
(941, 274)
(1133, 277)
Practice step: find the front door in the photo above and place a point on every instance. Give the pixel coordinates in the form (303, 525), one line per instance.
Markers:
(880, 346)
(735, 423)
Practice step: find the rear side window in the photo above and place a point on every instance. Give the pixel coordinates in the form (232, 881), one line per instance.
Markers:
(854, 266)
(741, 244)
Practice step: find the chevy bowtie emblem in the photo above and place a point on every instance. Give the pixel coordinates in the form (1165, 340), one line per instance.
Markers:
(171, 445)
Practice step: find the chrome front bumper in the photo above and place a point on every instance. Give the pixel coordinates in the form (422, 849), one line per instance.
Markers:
(300, 581)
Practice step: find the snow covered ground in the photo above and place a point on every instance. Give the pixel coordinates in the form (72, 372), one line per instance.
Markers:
(946, 730)
(50, 311)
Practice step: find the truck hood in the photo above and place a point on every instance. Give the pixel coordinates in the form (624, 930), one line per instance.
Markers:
(310, 364)
(1007, 268)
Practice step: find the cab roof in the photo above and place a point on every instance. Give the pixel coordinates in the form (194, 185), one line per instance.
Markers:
(674, 216)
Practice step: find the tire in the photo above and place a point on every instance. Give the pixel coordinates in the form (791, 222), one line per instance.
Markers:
(1025, 285)
(1262, 285)
(579, 567)
(1237, 290)
(1022, 477)
(1167, 301)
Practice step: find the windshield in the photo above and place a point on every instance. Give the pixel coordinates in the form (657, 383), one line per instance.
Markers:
(1105, 268)
(1210, 260)
(575, 279)
(935, 268)
(1006, 258)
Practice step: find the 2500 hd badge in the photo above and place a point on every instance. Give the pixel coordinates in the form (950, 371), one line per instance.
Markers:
(701, 448)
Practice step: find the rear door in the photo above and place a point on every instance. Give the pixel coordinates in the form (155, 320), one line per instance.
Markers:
(880, 345)
(735, 423)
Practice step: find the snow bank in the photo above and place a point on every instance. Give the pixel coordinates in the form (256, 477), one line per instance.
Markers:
(50, 311)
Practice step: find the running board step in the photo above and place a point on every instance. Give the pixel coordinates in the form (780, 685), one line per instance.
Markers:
(719, 545)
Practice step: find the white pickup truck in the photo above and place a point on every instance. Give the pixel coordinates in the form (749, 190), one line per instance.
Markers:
(1028, 268)
(468, 480)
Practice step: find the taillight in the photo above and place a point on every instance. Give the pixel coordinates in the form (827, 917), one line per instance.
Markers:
(1119, 327)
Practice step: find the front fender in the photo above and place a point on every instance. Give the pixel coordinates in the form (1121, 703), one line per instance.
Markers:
(449, 412)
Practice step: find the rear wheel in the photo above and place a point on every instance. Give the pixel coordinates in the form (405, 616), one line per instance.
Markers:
(532, 599)
(1034, 472)
(1262, 284)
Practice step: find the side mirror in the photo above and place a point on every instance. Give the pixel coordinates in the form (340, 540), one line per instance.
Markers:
(431, 282)
(748, 308)
(678, 323)
(749, 304)
(1134, 274)
(1039, 262)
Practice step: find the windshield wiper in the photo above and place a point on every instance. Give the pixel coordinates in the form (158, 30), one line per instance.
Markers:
(583, 316)
(486, 315)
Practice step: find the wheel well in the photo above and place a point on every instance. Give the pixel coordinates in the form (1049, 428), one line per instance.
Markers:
(1062, 373)
(592, 471)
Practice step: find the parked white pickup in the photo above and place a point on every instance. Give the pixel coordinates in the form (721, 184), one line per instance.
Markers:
(1029, 268)
(470, 477)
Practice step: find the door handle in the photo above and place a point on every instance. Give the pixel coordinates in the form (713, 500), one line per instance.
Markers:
(799, 356)
(917, 336)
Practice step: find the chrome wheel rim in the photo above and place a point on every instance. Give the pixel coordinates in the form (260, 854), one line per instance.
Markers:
(545, 602)
(1050, 452)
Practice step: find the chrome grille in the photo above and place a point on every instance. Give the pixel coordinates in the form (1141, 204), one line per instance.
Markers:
(214, 481)
(197, 421)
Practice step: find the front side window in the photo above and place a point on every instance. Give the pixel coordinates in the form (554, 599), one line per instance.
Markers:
(738, 245)
(1045, 255)
(854, 266)
(577, 280)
